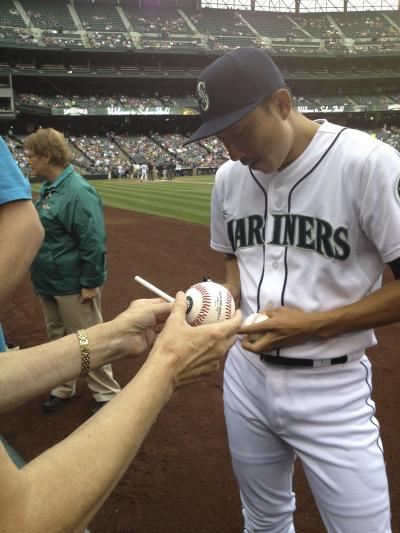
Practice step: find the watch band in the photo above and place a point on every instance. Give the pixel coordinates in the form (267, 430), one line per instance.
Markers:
(85, 351)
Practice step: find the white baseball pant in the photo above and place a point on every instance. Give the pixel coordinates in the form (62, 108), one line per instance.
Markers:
(325, 417)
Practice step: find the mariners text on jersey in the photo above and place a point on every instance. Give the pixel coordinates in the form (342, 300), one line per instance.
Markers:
(294, 230)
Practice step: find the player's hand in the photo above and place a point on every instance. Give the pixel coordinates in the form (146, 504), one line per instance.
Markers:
(193, 352)
(88, 294)
(287, 326)
(138, 326)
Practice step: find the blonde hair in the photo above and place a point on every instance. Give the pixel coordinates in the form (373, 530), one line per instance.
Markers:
(51, 143)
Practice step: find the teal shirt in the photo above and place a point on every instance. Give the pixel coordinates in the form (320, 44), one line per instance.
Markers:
(13, 187)
(13, 184)
(3, 347)
(73, 253)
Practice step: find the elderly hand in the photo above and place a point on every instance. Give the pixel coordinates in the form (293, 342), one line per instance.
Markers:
(193, 351)
(287, 326)
(139, 324)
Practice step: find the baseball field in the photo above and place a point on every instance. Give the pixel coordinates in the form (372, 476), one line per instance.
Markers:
(181, 480)
(185, 198)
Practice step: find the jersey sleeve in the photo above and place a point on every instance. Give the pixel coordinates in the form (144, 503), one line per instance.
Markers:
(13, 184)
(219, 234)
(380, 201)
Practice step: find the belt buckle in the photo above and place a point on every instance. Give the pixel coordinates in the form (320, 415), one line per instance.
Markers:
(320, 363)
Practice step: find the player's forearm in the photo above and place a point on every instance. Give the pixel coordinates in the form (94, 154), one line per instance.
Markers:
(39, 369)
(232, 277)
(378, 309)
(92, 460)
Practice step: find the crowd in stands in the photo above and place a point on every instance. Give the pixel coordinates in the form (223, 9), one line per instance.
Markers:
(9, 15)
(47, 14)
(336, 46)
(302, 50)
(109, 40)
(97, 100)
(35, 100)
(100, 21)
(102, 152)
(37, 19)
(80, 160)
(389, 135)
(17, 36)
(153, 23)
(141, 148)
(216, 149)
(377, 48)
(224, 29)
(212, 22)
(64, 101)
(18, 153)
(127, 101)
(191, 154)
(170, 43)
(63, 41)
(119, 155)
(367, 26)
(227, 43)
(318, 26)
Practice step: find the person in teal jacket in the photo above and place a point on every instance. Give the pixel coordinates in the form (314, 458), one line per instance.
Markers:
(70, 268)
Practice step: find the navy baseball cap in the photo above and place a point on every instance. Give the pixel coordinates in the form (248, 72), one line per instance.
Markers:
(232, 86)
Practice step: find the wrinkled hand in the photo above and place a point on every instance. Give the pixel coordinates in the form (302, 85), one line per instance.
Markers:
(88, 294)
(287, 326)
(140, 323)
(193, 352)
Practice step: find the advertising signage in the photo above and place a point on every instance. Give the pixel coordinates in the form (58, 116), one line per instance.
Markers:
(123, 111)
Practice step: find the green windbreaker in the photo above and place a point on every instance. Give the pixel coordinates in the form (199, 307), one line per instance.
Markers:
(73, 254)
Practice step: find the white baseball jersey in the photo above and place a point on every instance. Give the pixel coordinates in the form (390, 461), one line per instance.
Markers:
(315, 235)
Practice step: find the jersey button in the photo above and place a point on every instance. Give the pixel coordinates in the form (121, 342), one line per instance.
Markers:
(275, 266)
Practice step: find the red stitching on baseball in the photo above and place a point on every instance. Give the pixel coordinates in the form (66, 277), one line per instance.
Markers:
(205, 305)
(228, 310)
(254, 319)
(199, 319)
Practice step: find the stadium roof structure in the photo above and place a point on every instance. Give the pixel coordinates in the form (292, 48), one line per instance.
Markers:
(303, 6)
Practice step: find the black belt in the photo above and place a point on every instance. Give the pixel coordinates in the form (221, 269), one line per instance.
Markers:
(292, 361)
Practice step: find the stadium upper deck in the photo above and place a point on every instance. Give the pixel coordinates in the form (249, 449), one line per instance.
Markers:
(49, 24)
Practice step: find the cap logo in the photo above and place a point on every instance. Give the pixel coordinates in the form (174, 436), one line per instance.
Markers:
(202, 96)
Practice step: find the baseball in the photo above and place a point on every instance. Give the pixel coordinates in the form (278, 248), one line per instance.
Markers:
(208, 302)
(253, 319)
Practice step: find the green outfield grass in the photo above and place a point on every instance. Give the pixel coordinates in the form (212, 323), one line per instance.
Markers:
(186, 198)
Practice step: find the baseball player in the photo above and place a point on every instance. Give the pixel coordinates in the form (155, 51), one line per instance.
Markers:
(307, 214)
(144, 168)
